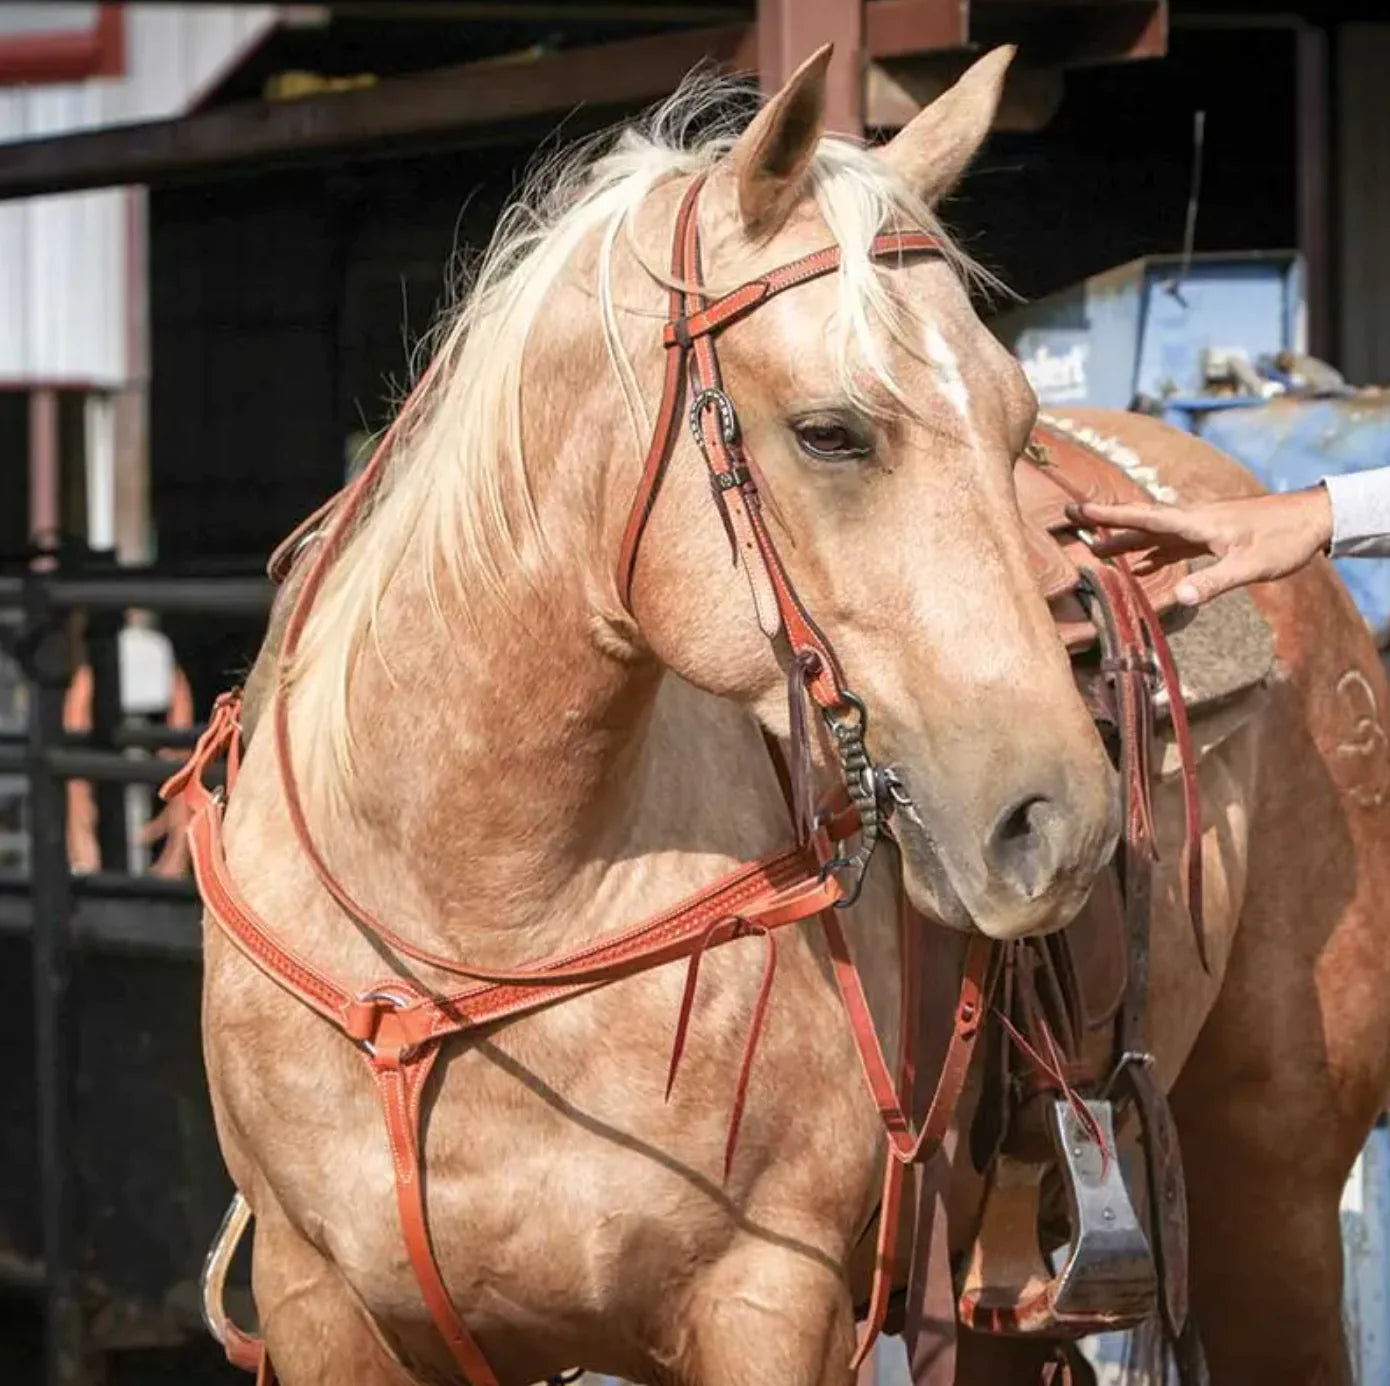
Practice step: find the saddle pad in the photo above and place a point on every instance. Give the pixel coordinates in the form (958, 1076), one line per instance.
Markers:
(1224, 648)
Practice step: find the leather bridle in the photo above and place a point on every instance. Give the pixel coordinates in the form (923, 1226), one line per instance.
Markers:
(399, 1026)
(813, 670)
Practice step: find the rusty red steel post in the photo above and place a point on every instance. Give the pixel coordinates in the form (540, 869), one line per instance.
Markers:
(789, 31)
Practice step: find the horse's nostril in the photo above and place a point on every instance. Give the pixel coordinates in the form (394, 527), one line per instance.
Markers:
(1021, 850)
(1018, 822)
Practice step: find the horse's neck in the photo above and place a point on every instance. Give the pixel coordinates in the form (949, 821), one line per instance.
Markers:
(519, 792)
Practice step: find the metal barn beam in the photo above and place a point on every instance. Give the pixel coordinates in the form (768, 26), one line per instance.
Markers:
(484, 98)
(489, 102)
(147, 588)
(789, 31)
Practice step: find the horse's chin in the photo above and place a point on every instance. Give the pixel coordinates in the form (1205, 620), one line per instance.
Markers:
(926, 881)
(931, 890)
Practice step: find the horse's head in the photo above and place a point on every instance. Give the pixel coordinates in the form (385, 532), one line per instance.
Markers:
(885, 420)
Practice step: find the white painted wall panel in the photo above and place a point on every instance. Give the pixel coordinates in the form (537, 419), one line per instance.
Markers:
(45, 19)
(63, 301)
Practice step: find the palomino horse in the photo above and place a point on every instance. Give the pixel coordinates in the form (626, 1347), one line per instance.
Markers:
(507, 760)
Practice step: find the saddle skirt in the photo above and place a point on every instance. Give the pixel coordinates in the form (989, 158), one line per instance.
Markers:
(1223, 649)
(1057, 470)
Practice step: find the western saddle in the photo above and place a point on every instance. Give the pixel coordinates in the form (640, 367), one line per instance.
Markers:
(1061, 1252)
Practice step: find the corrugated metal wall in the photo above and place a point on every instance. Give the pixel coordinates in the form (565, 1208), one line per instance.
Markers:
(64, 310)
(1363, 139)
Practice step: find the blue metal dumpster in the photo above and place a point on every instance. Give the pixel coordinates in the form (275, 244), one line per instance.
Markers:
(1290, 443)
(1147, 329)
(1194, 343)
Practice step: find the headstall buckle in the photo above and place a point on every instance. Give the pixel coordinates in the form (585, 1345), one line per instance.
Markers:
(724, 406)
(737, 476)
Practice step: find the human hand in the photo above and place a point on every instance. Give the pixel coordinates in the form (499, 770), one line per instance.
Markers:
(1255, 538)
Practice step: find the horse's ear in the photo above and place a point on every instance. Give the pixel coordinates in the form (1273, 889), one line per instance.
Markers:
(933, 150)
(771, 157)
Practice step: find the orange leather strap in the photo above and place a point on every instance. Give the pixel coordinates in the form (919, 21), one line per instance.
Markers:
(738, 303)
(892, 1097)
(688, 337)
(399, 1028)
(400, 1077)
(242, 1349)
(1140, 630)
(265, 1371)
(770, 893)
(909, 1146)
(1187, 760)
(734, 487)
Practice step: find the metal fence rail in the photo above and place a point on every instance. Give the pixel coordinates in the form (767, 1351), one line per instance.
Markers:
(62, 912)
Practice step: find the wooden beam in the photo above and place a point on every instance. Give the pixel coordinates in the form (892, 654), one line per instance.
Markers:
(899, 88)
(897, 28)
(789, 31)
(397, 113)
(492, 101)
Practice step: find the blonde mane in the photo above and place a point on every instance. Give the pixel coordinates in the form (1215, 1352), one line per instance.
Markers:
(455, 500)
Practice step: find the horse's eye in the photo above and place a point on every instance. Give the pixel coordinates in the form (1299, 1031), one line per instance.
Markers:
(829, 441)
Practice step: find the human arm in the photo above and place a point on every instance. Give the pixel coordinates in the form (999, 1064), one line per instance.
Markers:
(1360, 513)
(1254, 538)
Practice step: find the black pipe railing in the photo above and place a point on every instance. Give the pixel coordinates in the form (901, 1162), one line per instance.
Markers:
(67, 911)
(145, 589)
(79, 763)
(135, 738)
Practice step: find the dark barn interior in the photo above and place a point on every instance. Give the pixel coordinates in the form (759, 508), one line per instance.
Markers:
(285, 308)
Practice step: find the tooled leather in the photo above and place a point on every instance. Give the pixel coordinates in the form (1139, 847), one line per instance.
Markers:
(1187, 760)
(400, 1086)
(741, 301)
(891, 1097)
(1054, 472)
(754, 892)
(774, 892)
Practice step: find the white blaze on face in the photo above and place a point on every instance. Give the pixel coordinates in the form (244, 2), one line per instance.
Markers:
(947, 367)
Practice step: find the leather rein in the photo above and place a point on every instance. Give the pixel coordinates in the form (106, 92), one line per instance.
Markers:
(399, 1026)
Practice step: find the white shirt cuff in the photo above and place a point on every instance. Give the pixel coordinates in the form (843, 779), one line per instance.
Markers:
(1360, 513)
